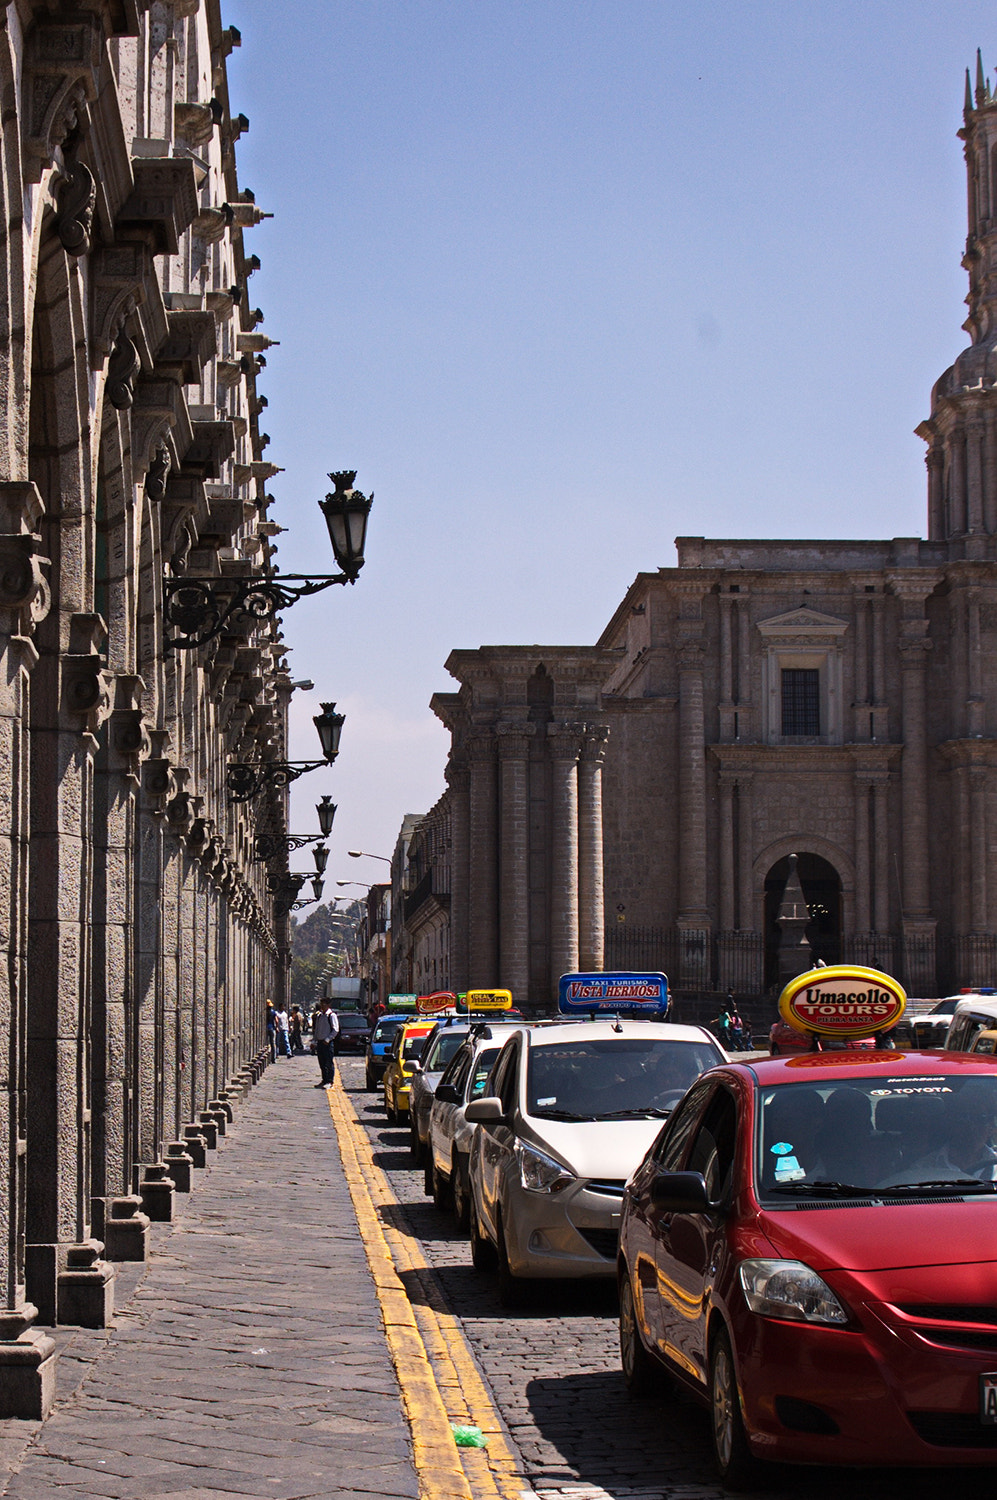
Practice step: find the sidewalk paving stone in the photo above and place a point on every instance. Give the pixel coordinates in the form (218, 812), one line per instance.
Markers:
(249, 1358)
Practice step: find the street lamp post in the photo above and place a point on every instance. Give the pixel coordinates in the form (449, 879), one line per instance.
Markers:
(197, 610)
(244, 780)
(364, 854)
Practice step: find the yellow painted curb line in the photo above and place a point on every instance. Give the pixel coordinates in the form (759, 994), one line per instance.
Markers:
(437, 1375)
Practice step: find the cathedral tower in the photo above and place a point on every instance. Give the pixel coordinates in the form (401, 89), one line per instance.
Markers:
(962, 429)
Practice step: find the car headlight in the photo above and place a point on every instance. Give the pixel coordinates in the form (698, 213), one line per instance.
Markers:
(789, 1289)
(540, 1173)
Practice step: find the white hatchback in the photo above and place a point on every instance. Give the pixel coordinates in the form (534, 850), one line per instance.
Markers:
(570, 1111)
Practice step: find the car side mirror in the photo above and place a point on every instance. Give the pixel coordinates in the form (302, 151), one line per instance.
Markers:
(415, 1065)
(681, 1192)
(484, 1112)
(447, 1094)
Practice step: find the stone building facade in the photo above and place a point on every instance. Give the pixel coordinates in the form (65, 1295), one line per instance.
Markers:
(636, 802)
(141, 934)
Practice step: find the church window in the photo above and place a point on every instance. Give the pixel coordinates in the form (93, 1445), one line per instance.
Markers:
(800, 700)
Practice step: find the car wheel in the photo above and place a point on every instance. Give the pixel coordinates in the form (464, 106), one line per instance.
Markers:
(482, 1249)
(513, 1290)
(370, 1085)
(416, 1148)
(390, 1111)
(640, 1373)
(461, 1194)
(427, 1175)
(441, 1190)
(736, 1465)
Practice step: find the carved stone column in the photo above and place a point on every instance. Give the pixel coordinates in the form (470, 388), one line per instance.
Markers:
(591, 898)
(881, 853)
(564, 741)
(483, 873)
(726, 785)
(514, 895)
(747, 918)
(978, 846)
(863, 891)
(460, 912)
(692, 791)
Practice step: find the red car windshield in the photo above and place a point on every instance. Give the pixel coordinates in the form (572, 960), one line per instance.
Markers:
(863, 1137)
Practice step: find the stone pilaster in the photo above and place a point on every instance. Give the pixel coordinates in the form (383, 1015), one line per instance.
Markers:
(726, 836)
(591, 895)
(458, 779)
(513, 971)
(483, 872)
(747, 918)
(564, 742)
(693, 912)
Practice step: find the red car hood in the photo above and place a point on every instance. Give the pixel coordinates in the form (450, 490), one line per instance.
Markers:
(885, 1237)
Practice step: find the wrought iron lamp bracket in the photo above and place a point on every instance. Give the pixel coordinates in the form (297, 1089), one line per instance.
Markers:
(197, 610)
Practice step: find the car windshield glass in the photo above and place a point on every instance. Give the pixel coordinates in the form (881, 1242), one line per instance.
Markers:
(444, 1047)
(412, 1046)
(482, 1068)
(617, 1077)
(863, 1136)
(352, 1023)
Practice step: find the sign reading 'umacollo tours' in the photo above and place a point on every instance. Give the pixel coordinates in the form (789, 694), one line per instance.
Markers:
(843, 1000)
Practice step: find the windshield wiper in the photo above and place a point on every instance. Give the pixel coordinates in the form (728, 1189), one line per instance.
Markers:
(848, 1189)
(947, 1184)
(559, 1114)
(648, 1112)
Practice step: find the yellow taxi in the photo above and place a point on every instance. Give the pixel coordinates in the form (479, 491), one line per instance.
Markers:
(397, 1082)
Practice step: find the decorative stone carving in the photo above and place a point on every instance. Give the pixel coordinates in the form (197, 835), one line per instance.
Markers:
(163, 202)
(86, 690)
(76, 198)
(193, 123)
(122, 371)
(158, 473)
(23, 586)
(62, 70)
(157, 781)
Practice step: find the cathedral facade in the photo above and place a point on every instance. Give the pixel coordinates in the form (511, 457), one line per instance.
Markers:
(142, 930)
(635, 803)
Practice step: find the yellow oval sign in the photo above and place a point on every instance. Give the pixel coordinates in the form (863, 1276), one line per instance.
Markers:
(843, 1000)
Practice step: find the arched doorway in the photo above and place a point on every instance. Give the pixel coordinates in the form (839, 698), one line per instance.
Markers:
(822, 890)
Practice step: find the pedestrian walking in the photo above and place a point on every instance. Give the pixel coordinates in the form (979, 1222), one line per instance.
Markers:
(272, 1031)
(297, 1022)
(283, 1038)
(325, 1029)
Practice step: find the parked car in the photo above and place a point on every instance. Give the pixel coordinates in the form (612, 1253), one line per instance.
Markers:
(406, 1050)
(932, 1026)
(379, 1048)
(354, 1032)
(975, 1011)
(441, 1044)
(447, 1175)
(809, 1250)
(568, 1112)
(785, 1039)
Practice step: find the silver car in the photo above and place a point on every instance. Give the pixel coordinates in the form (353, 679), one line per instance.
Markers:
(450, 1133)
(441, 1044)
(570, 1111)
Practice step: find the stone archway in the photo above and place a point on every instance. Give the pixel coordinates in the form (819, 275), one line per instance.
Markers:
(822, 888)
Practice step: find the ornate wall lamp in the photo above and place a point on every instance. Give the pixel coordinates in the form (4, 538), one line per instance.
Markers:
(285, 891)
(196, 610)
(244, 780)
(269, 845)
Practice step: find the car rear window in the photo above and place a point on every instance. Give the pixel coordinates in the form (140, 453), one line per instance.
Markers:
(386, 1028)
(413, 1046)
(444, 1047)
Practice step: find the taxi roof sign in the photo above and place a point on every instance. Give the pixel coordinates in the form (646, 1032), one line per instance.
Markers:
(401, 1002)
(478, 1000)
(632, 994)
(434, 1004)
(842, 1000)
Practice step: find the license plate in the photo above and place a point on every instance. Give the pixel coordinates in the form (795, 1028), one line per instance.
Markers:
(988, 1399)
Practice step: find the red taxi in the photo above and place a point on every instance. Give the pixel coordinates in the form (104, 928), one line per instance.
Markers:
(809, 1246)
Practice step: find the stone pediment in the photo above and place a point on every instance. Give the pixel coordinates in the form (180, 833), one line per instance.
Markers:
(802, 622)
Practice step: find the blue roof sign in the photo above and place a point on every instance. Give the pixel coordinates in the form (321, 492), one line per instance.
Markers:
(619, 994)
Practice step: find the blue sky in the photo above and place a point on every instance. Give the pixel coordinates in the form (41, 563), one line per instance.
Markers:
(565, 279)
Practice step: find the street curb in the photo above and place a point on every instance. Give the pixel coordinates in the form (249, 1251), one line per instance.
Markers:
(439, 1380)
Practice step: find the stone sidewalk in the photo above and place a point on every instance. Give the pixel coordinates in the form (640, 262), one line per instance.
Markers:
(247, 1358)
